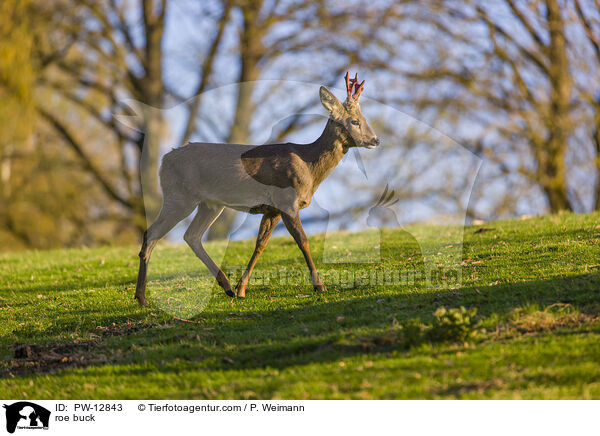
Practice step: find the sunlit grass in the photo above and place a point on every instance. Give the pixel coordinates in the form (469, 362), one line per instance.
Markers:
(70, 317)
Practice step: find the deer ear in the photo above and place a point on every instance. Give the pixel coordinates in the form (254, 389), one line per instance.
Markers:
(331, 103)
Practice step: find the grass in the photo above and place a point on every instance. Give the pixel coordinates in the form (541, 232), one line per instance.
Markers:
(69, 327)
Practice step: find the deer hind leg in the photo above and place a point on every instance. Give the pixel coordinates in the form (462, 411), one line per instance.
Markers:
(294, 226)
(170, 214)
(193, 237)
(267, 225)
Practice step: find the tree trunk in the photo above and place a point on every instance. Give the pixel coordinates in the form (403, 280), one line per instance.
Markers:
(5, 170)
(251, 51)
(597, 144)
(151, 91)
(149, 163)
(551, 160)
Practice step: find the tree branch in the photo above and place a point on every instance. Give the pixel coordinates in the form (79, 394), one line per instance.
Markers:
(78, 149)
(206, 70)
(587, 27)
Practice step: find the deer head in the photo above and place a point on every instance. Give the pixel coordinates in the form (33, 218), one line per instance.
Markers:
(349, 115)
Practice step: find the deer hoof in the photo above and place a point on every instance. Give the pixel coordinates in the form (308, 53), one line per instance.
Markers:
(320, 288)
(230, 293)
(241, 293)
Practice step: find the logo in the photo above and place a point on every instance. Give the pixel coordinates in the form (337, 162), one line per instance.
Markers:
(26, 415)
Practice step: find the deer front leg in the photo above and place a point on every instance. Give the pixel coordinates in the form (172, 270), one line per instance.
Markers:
(267, 225)
(145, 252)
(294, 226)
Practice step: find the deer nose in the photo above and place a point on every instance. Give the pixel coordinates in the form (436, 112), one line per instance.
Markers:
(376, 141)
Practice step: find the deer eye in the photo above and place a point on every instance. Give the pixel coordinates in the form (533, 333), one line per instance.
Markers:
(355, 122)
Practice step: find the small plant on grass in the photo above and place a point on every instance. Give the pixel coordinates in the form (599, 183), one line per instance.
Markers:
(449, 325)
(535, 319)
(412, 333)
(454, 325)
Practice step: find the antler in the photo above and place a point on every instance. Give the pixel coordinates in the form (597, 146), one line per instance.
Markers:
(358, 89)
(353, 83)
(350, 84)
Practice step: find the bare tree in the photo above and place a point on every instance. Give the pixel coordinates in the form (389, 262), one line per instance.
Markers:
(39, 203)
(588, 14)
(510, 80)
(116, 50)
(498, 74)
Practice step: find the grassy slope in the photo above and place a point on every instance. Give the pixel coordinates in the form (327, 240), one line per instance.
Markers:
(283, 342)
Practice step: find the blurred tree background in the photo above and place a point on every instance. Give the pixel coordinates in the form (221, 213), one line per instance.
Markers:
(515, 82)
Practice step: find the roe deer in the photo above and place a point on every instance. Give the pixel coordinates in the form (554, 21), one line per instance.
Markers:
(276, 180)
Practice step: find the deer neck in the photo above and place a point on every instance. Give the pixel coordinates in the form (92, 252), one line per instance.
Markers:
(327, 151)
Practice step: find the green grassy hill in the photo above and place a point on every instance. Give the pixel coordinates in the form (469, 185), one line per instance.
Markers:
(70, 328)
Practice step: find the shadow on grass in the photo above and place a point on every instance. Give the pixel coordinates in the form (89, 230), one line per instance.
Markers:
(109, 282)
(316, 330)
(64, 287)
